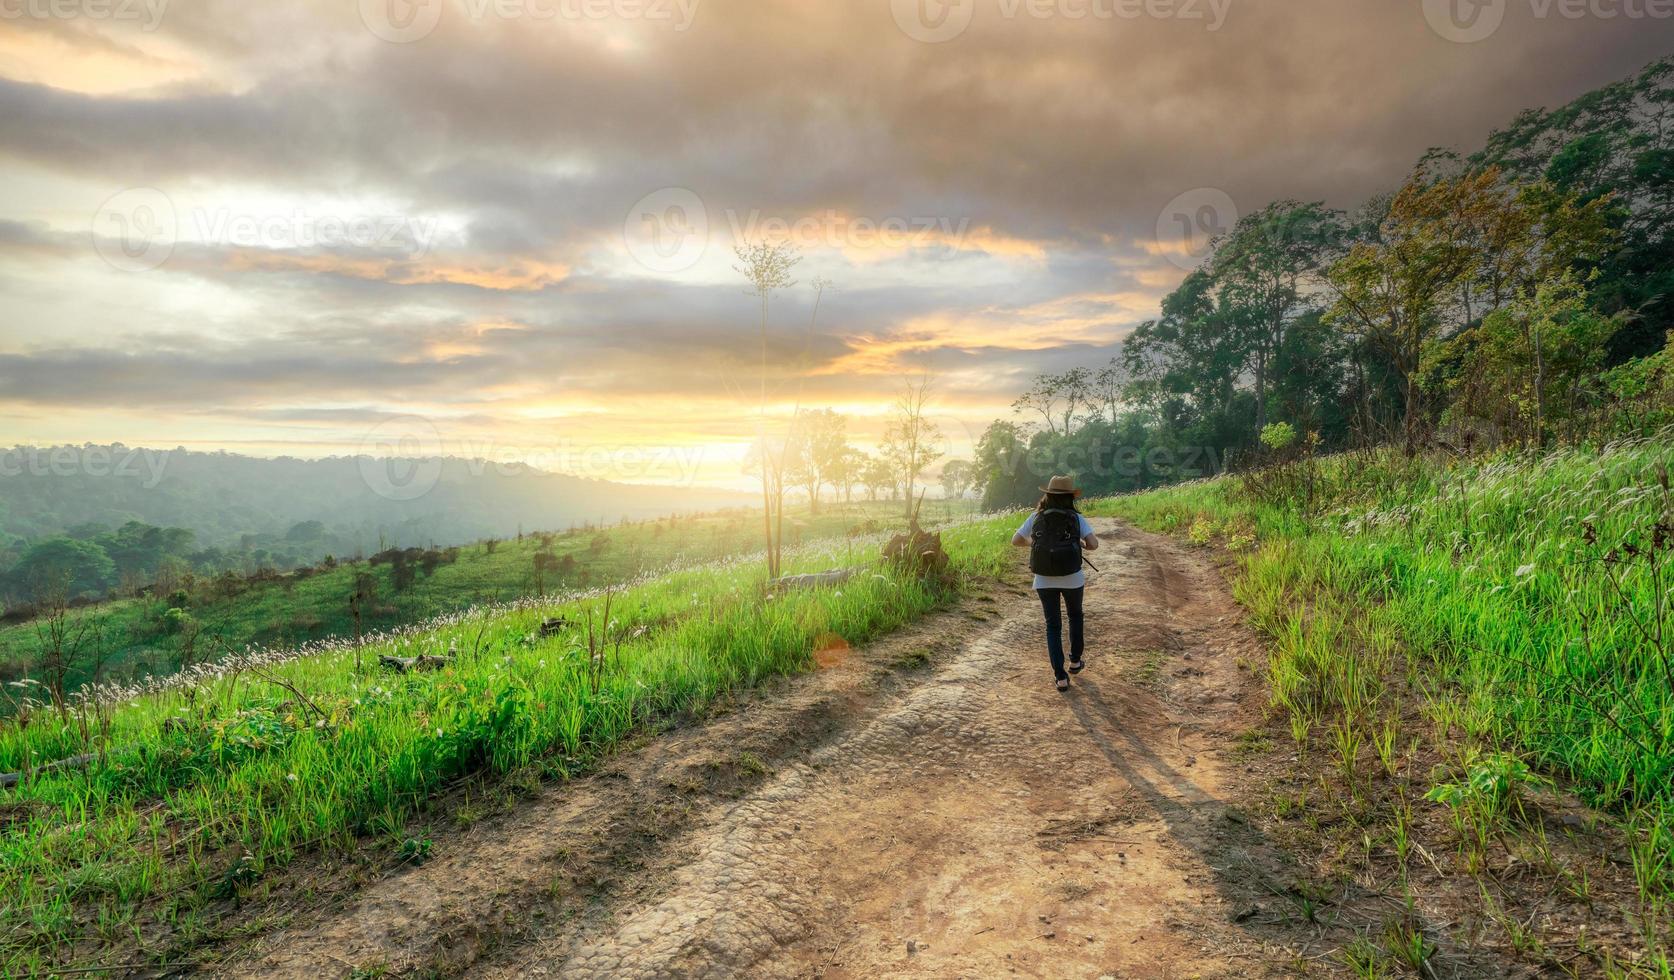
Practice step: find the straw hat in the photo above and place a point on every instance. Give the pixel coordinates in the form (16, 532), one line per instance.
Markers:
(1061, 484)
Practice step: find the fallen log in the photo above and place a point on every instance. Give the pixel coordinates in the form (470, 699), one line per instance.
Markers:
(814, 580)
(11, 779)
(402, 665)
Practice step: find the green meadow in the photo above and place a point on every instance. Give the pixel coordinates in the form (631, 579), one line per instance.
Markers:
(1523, 602)
(157, 634)
(200, 788)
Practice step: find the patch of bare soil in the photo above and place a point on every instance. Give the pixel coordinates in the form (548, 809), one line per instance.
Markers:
(516, 862)
(926, 806)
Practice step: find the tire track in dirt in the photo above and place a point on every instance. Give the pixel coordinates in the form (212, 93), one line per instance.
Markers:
(967, 820)
(984, 823)
(580, 848)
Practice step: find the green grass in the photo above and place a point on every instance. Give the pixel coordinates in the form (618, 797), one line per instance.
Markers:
(202, 789)
(1473, 588)
(290, 611)
(1484, 571)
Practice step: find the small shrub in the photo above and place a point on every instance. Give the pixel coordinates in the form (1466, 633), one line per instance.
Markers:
(1278, 436)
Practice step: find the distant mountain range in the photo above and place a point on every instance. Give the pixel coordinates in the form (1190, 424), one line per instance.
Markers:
(235, 503)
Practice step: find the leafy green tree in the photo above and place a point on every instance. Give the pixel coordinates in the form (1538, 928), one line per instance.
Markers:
(1194, 351)
(139, 549)
(956, 478)
(818, 452)
(78, 568)
(1397, 291)
(877, 475)
(1612, 144)
(1002, 465)
(1532, 363)
(1261, 271)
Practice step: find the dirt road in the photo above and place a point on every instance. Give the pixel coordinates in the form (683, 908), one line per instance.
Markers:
(881, 818)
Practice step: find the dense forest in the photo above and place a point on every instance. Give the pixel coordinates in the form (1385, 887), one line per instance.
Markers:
(91, 520)
(1521, 295)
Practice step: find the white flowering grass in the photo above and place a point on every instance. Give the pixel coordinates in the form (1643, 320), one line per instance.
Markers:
(204, 781)
(1480, 578)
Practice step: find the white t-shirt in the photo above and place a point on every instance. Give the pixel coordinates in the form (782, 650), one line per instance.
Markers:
(1075, 581)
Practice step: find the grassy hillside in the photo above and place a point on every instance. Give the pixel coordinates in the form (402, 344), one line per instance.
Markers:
(1454, 644)
(1509, 619)
(141, 637)
(199, 790)
(250, 507)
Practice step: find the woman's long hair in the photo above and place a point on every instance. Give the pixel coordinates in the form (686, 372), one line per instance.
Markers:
(1057, 501)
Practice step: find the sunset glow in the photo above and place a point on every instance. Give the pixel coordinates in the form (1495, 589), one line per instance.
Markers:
(274, 228)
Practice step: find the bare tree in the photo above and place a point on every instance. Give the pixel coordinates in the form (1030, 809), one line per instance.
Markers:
(62, 637)
(360, 600)
(545, 562)
(1056, 398)
(909, 442)
(766, 267)
(1110, 386)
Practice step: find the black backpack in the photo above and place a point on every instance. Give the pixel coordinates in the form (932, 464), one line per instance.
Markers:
(1055, 547)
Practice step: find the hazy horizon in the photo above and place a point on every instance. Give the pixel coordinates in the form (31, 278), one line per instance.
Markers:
(506, 229)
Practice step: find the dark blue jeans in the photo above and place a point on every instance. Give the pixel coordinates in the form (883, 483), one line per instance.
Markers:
(1055, 625)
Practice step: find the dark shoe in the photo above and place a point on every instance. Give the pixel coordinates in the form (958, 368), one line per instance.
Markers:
(1075, 666)
(1063, 683)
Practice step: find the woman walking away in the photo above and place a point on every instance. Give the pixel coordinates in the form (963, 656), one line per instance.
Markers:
(1055, 534)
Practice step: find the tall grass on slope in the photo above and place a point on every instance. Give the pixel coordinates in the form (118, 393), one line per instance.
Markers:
(1492, 573)
(198, 791)
(1538, 585)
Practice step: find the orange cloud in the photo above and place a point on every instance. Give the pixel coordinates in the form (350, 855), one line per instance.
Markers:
(518, 275)
(1077, 318)
(77, 57)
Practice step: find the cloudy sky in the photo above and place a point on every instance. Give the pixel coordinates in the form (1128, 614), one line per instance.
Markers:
(506, 227)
